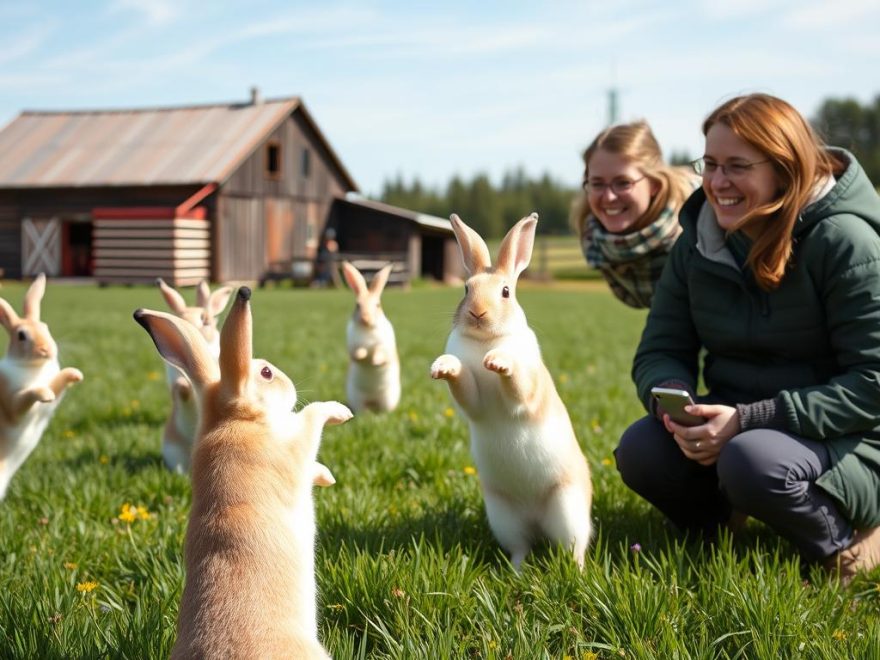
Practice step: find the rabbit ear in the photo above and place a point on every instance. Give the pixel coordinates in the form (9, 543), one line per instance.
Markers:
(380, 279)
(181, 345)
(32, 298)
(516, 248)
(474, 252)
(8, 318)
(236, 348)
(354, 278)
(174, 300)
(203, 293)
(218, 299)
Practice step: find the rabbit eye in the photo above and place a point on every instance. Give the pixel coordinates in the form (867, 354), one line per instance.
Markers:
(22, 335)
(266, 373)
(505, 292)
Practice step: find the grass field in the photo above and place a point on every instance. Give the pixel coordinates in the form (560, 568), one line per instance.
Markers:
(91, 530)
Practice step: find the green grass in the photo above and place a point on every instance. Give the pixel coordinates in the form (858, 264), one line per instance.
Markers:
(406, 565)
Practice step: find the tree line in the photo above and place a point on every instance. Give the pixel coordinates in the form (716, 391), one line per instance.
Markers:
(492, 209)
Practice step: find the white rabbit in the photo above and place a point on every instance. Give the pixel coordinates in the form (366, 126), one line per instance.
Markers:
(250, 578)
(373, 381)
(534, 476)
(32, 382)
(180, 428)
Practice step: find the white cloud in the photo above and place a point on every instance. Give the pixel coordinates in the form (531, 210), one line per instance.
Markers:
(26, 43)
(825, 15)
(154, 12)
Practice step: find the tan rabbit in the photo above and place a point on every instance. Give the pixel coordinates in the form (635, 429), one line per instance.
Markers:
(180, 428)
(250, 582)
(534, 477)
(374, 369)
(32, 382)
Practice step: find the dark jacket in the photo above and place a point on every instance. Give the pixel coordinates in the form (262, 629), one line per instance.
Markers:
(811, 346)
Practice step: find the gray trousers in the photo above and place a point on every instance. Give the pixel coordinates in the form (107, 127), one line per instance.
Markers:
(767, 474)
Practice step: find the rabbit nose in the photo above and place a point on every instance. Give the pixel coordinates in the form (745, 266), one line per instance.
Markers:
(477, 316)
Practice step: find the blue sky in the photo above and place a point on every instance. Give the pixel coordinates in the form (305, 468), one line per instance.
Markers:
(437, 89)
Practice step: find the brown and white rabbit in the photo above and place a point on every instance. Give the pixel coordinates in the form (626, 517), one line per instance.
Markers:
(32, 382)
(534, 476)
(180, 428)
(373, 381)
(250, 580)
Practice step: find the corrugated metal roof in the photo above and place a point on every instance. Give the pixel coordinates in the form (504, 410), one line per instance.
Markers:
(158, 146)
(422, 219)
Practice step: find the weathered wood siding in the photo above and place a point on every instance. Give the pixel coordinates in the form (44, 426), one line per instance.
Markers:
(239, 239)
(10, 242)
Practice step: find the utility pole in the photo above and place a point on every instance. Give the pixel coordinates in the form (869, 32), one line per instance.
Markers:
(612, 106)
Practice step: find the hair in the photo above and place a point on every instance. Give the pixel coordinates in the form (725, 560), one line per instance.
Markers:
(635, 143)
(800, 161)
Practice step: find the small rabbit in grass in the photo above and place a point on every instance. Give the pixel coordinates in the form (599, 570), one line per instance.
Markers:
(32, 382)
(535, 479)
(180, 429)
(374, 369)
(250, 580)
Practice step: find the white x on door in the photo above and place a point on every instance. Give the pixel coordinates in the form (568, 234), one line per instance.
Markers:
(41, 246)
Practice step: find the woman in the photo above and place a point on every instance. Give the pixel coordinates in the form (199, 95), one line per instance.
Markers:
(777, 278)
(627, 218)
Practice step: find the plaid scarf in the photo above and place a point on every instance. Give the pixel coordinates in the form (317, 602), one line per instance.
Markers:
(631, 263)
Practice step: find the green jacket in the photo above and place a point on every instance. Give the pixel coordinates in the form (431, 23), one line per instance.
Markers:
(812, 345)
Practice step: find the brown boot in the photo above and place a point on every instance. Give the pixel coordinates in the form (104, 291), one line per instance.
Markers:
(860, 557)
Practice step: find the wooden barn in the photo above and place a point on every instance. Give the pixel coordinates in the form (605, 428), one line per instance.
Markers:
(227, 192)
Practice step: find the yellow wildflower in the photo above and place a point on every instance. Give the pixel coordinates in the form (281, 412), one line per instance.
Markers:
(86, 587)
(839, 635)
(606, 461)
(69, 433)
(153, 375)
(128, 513)
(470, 470)
(590, 655)
(103, 459)
(449, 412)
(69, 565)
(493, 645)
(563, 378)
(413, 416)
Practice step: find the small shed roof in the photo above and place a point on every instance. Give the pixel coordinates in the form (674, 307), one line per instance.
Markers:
(422, 219)
(155, 146)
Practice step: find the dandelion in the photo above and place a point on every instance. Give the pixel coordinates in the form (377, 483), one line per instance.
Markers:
(606, 461)
(838, 635)
(153, 375)
(590, 655)
(129, 513)
(86, 587)
(470, 470)
(103, 459)
(70, 566)
(449, 412)
(492, 645)
(413, 416)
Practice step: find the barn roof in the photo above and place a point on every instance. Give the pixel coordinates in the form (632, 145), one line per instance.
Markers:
(421, 219)
(136, 147)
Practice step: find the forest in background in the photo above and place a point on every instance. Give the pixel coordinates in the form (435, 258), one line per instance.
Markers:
(492, 209)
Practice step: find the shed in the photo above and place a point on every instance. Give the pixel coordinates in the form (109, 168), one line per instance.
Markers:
(219, 191)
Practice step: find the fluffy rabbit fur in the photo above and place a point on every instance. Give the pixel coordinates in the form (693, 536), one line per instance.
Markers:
(31, 382)
(374, 369)
(534, 477)
(250, 581)
(180, 428)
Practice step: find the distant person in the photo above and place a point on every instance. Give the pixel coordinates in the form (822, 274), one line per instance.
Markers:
(326, 259)
(627, 216)
(773, 292)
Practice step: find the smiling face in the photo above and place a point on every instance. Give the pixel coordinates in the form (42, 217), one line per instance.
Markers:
(735, 193)
(618, 212)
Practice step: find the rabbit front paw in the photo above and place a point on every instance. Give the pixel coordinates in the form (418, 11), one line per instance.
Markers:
(446, 367)
(335, 412)
(43, 394)
(359, 354)
(499, 362)
(72, 375)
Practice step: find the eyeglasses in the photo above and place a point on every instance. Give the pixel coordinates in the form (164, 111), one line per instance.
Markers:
(618, 186)
(736, 169)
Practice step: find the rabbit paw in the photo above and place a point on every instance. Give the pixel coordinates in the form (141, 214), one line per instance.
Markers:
(44, 394)
(336, 412)
(379, 357)
(360, 353)
(499, 362)
(72, 375)
(445, 367)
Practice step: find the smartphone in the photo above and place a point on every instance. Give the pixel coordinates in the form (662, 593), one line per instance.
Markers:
(673, 402)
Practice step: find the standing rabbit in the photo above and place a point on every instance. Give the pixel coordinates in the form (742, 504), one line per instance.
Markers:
(374, 369)
(180, 429)
(534, 477)
(250, 580)
(32, 382)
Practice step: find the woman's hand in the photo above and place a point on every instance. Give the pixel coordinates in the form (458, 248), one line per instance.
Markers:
(703, 443)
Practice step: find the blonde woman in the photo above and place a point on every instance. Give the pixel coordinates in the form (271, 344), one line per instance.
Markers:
(627, 216)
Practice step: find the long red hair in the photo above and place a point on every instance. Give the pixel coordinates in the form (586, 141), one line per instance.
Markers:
(800, 161)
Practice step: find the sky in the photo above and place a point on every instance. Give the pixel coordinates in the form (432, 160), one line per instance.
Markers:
(433, 90)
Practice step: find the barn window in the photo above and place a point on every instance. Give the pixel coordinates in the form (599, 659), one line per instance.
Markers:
(306, 163)
(273, 160)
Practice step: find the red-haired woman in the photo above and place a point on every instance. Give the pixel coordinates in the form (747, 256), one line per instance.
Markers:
(776, 281)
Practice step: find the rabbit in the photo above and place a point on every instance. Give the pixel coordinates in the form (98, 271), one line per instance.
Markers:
(373, 381)
(32, 383)
(180, 428)
(534, 476)
(249, 551)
